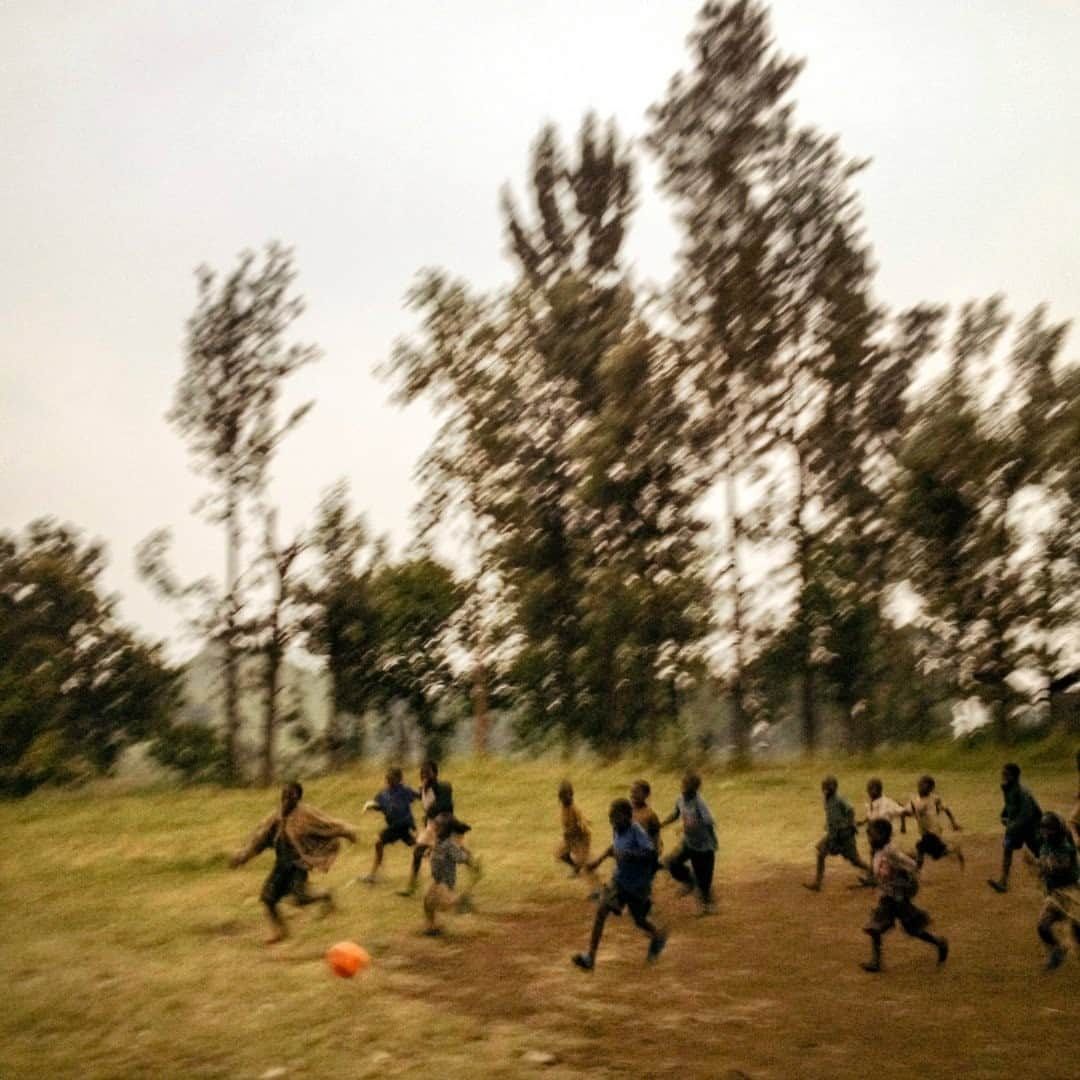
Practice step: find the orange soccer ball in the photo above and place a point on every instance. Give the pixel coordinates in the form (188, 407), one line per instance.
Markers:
(346, 958)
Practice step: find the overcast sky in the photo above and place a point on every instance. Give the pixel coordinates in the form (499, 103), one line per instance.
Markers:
(141, 139)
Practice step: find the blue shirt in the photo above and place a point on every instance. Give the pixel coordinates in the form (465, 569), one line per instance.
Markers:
(633, 872)
(396, 804)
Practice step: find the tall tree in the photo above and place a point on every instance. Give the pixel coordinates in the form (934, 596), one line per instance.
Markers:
(225, 404)
(340, 621)
(76, 686)
(280, 625)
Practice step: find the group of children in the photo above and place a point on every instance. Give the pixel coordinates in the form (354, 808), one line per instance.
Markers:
(304, 839)
(636, 848)
(896, 874)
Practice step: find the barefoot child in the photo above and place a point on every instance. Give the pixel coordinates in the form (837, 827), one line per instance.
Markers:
(395, 802)
(447, 853)
(437, 797)
(839, 838)
(630, 885)
(1060, 873)
(303, 839)
(698, 844)
(574, 849)
(897, 878)
(1021, 816)
(927, 809)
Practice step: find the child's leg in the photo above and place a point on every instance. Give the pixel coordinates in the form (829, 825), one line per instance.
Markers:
(602, 912)
(822, 850)
(678, 869)
(851, 853)
(915, 922)
(379, 849)
(1002, 884)
(875, 951)
(704, 864)
(417, 858)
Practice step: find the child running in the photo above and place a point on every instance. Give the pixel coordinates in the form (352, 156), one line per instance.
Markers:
(437, 797)
(574, 849)
(698, 843)
(630, 885)
(927, 809)
(839, 838)
(395, 802)
(1060, 873)
(897, 878)
(303, 839)
(645, 815)
(447, 853)
(1021, 816)
(879, 805)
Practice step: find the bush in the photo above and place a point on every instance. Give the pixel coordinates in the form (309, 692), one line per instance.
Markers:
(193, 750)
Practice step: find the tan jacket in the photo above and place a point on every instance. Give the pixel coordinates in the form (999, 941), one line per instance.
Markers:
(315, 837)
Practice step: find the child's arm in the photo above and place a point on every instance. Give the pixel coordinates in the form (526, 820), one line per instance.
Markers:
(949, 814)
(600, 858)
(260, 840)
(371, 804)
(673, 816)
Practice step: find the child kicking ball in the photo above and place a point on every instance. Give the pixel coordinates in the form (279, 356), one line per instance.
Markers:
(303, 839)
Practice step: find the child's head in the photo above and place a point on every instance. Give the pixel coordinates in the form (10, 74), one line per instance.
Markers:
(446, 825)
(621, 815)
(829, 786)
(880, 833)
(394, 776)
(1052, 826)
(429, 772)
(291, 794)
(874, 788)
(1010, 774)
(691, 783)
(639, 793)
(566, 793)
(926, 785)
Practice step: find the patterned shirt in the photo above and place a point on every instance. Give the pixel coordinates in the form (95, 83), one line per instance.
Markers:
(699, 832)
(445, 856)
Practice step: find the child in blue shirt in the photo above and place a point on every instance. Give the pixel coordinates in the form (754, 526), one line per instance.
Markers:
(630, 885)
(395, 801)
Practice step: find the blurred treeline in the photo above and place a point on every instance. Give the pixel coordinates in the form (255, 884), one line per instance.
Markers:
(753, 504)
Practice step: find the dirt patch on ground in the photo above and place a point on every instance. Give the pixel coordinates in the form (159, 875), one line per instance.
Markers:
(770, 986)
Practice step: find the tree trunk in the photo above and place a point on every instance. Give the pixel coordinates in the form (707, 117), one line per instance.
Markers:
(741, 720)
(273, 676)
(230, 658)
(807, 701)
(481, 712)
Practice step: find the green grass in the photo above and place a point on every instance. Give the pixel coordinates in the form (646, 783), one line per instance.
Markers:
(131, 950)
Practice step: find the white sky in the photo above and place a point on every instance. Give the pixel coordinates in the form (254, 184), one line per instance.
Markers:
(140, 139)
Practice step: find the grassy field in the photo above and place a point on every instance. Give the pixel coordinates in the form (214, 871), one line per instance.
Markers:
(131, 950)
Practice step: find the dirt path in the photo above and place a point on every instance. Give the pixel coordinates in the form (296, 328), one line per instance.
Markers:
(771, 986)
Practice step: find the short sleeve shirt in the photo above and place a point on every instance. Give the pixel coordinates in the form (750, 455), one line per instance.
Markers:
(445, 857)
(396, 804)
(633, 873)
(697, 822)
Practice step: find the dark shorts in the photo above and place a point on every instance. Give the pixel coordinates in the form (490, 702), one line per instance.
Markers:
(406, 834)
(616, 899)
(840, 845)
(286, 879)
(891, 911)
(931, 844)
(1030, 840)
